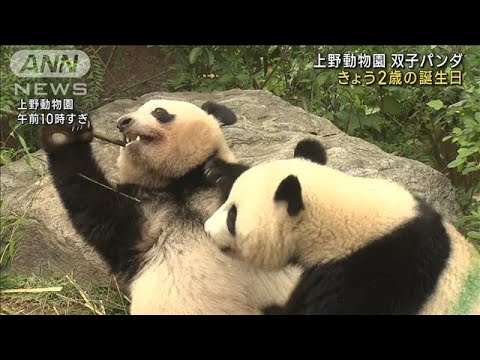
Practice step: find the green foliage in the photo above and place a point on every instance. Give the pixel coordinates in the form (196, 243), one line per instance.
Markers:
(240, 67)
(469, 223)
(8, 154)
(467, 137)
(436, 104)
(11, 231)
(94, 80)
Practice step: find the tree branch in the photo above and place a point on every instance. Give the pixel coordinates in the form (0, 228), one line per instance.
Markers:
(282, 57)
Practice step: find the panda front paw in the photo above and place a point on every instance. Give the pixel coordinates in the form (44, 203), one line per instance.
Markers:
(222, 174)
(56, 136)
(215, 171)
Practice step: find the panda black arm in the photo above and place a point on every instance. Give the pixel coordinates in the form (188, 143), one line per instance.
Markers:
(319, 292)
(104, 218)
(222, 174)
(222, 113)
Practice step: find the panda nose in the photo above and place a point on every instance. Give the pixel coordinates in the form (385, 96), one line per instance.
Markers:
(124, 122)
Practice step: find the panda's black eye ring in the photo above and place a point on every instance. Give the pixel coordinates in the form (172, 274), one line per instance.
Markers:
(232, 219)
(162, 115)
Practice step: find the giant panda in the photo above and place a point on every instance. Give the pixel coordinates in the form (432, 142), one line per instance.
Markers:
(367, 246)
(149, 227)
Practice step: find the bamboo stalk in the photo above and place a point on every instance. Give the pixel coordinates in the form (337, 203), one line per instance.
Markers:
(108, 139)
(108, 187)
(36, 290)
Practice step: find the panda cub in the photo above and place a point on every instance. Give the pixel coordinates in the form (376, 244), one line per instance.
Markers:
(367, 246)
(149, 229)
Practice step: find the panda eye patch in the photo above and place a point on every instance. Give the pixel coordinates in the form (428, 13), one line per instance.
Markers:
(162, 115)
(232, 219)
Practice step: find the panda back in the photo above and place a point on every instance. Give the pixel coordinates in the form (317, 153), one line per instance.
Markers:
(458, 289)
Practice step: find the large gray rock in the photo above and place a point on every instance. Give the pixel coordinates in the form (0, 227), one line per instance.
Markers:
(268, 128)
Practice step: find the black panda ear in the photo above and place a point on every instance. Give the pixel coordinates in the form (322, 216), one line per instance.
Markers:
(221, 112)
(290, 191)
(312, 150)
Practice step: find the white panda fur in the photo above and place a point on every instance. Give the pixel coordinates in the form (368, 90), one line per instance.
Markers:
(157, 246)
(339, 216)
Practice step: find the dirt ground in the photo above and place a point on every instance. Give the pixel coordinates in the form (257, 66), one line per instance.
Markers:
(130, 65)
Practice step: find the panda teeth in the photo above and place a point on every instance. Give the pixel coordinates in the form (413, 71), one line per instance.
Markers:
(129, 141)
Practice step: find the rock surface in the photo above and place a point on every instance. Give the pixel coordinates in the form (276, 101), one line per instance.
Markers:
(267, 128)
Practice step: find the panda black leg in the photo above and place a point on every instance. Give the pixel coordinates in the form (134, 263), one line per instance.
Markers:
(274, 310)
(223, 174)
(107, 220)
(312, 150)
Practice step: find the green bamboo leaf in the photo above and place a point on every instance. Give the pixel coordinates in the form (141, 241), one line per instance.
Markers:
(456, 163)
(194, 54)
(391, 105)
(436, 104)
(473, 234)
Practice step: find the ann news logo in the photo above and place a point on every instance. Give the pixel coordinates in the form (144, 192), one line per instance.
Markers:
(38, 108)
(50, 63)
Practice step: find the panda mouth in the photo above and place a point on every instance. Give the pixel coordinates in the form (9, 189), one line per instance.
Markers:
(135, 138)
